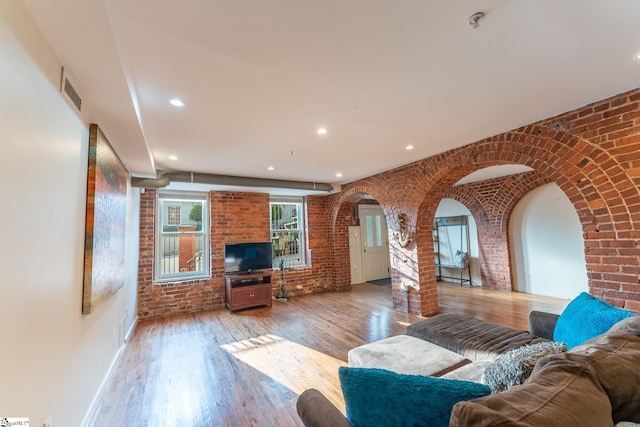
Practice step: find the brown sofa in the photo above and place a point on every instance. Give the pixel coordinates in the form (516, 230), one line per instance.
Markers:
(594, 384)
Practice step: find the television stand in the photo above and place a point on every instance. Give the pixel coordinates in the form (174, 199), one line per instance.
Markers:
(247, 290)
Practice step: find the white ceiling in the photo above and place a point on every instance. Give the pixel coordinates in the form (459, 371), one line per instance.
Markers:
(259, 77)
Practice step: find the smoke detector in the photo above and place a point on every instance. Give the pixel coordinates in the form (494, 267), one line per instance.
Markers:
(475, 19)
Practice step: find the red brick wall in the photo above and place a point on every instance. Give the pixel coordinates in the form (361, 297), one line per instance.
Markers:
(235, 217)
(595, 162)
(342, 266)
(155, 300)
(316, 277)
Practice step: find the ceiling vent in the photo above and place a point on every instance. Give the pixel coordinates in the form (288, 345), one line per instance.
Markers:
(70, 93)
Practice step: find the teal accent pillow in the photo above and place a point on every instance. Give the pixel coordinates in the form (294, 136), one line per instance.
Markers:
(376, 397)
(586, 317)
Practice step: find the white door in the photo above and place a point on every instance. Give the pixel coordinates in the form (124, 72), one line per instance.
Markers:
(375, 242)
(355, 255)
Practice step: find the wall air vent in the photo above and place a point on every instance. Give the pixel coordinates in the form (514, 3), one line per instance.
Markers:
(69, 92)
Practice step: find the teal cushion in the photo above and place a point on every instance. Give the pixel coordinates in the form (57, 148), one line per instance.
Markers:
(586, 317)
(376, 397)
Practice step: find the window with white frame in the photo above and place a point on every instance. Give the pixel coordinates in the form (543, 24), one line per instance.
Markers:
(287, 232)
(182, 236)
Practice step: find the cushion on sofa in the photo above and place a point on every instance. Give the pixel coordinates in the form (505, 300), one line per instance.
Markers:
(470, 372)
(562, 394)
(376, 397)
(514, 367)
(630, 325)
(472, 338)
(404, 354)
(586, 317)
(614, 360)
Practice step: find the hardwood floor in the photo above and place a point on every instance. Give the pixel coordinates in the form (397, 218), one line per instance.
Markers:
(247, 369)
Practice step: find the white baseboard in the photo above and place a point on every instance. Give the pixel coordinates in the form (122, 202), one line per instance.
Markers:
(127, 336)
(93, 406)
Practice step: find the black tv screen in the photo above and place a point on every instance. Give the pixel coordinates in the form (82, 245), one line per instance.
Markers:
(247, 257)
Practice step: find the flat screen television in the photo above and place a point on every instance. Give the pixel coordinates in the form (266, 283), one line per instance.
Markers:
(247, 257)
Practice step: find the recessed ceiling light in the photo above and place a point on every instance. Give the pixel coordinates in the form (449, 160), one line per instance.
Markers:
(409, 147)
(637, 57)
(339, 174)
(176, 102)
(173, 157)
(270, 168)
(322, 131)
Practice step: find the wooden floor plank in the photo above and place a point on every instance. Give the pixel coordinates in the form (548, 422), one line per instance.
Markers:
(247, 369)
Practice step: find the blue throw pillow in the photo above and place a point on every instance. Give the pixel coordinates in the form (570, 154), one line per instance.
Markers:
(375, 397)
(586, 317)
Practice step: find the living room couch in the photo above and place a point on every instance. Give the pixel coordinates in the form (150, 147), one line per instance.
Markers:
(594, 383)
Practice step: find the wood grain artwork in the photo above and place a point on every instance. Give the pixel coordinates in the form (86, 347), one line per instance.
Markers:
(105, 224)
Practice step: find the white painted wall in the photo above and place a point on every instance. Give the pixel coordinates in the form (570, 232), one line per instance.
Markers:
(355, 254)
(547, 244)
(53, 358)
(451, 207)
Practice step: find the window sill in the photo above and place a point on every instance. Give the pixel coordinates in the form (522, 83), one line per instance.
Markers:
(181, 280)
(293, 267)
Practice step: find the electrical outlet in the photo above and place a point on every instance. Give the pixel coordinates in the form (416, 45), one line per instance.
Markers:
(48, 422)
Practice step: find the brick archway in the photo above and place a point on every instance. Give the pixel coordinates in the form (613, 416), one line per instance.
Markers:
(594, 162)
(596, 200)
(341, 213)
(491, 203)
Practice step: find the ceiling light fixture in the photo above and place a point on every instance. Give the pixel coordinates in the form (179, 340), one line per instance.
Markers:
(339, 174)
(637, 57)
(409, 147)
(270, 168)
(322, 131)
(176, 102)
(172, 157)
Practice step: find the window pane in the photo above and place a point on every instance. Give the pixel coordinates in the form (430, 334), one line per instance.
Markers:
(287, 234)
(284, 216)
(369, 234)
(181, 253)
(182, 241)
(181, 212)
(378, 230)
(286, 246)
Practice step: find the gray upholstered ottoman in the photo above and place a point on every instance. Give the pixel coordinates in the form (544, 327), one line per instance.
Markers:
(405, 354)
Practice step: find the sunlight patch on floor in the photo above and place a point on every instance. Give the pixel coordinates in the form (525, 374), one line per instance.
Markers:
(175, 385)
(293, 365)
